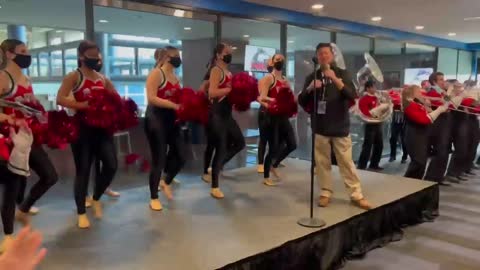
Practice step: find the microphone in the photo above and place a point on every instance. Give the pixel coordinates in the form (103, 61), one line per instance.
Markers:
(323, 68)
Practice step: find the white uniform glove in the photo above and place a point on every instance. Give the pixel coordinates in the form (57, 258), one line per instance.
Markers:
(22, 144)
(457, 100)
(435, 114)
(379, 110)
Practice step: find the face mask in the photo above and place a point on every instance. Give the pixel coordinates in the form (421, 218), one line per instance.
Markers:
(269, 69)
(175, 61)
(227, 59)
(92, 63)
(98, 68)
(23, 60)
(278, 65)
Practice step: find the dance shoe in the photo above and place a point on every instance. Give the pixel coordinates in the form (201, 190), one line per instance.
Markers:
(269, 182)
(97, 209)
(83, 222)
(323, 201)
(217, 193)
(362, 203)
(6, 243)
(207, 178)
(260, 168)
(34, 210)
(88, 202)
(22, 217)
(166, 189)
(112, 194)
(156, 205)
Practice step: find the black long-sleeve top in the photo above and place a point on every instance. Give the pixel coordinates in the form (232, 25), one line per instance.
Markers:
(336, 120)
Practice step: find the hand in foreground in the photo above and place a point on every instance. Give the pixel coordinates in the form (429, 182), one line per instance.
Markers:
(330, 74)
(24, 253)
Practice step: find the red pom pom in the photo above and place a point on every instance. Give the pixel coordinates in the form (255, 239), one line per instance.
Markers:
(193, 106)
(4, 149)
(62, 129)
(131, 159)
(244, 91)
(109, 111)
(284, 103)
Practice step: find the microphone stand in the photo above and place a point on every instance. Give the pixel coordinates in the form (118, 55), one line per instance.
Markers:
(312, 222)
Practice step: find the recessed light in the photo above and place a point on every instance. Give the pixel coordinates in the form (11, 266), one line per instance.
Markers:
(102, 21)
(471, 18)
(179, 13)
(187, 28)
(246, 36)
(58, 31)
(234, 48)
(318, 6)
(452, 34)
(419, 27)
(376, 18)
(291, 41)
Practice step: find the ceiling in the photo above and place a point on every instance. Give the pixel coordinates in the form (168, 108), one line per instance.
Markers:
(439, 17)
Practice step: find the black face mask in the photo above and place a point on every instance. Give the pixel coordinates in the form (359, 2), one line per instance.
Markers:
(278, 65)
(92, 63)
(269, 69)
(175, 61)
(227, 58)
(23, 60)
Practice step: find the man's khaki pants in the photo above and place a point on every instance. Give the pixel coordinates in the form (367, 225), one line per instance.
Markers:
(342, 147)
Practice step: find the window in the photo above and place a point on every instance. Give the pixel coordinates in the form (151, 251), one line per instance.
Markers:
(353, 49)
(43, 60)
(419, 56)
(388, 55)
(129, 57)
(33, 70)
(464, 72)
(71, 62)
(56, 63)
(447, 62)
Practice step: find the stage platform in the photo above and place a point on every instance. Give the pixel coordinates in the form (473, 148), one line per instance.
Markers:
(254, 227)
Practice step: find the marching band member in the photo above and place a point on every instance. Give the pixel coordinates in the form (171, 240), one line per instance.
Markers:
(18, 87)
(226, 134)
(440, 132)
(335, 91)
(397, 131)
(370, 106)
(163, 133)
(279, 132)
(417, 121)
(93, 144)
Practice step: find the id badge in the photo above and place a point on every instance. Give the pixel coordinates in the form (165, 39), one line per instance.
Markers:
(322, 107)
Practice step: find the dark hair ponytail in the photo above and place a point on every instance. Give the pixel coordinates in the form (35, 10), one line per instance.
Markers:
(9, 45)
(218, 49)
(83, 47)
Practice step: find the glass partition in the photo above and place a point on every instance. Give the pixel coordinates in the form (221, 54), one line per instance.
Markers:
(464, 71)
(448, 62)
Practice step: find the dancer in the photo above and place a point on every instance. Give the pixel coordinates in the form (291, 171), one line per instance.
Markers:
(160, 124)
(335, 91)
(277, 128)
(263, 128)
(223, 129)
(13, 171)
(370, 106)
(440, 132)
(93, 144)
(207, 158)
(20, 90)
(417, 121)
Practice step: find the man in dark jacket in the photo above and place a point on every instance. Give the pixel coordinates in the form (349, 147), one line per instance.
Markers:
(331, 125)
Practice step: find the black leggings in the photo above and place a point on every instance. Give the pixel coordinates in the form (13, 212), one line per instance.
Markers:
(207, 157)
(281, 142)
(416, 141)
(397, 131)
(263, 130)
(93, 145)
(373, 138)
(41, 164)
(228, 141)
(11, 183)
(166, 147)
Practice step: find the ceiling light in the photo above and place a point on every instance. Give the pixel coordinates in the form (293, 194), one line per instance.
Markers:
(246, 36)
(317, 6)
(187, 28)
(179, 13)
(452, 34)
(58, 31)
(419, 27)
(376, 18)
(102, 21)
(234, 48)
(471, 18)
(291, 41)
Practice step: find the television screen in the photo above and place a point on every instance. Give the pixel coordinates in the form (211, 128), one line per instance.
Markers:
(256, 58)
(417, 75)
